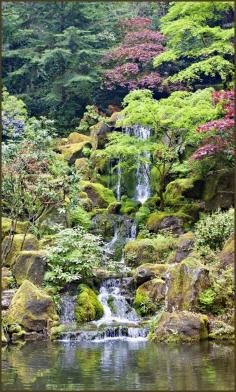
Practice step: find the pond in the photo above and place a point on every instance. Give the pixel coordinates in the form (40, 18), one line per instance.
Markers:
(132, 364)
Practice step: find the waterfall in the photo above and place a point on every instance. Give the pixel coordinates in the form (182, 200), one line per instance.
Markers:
(67, 307)
(143, 169)
(119, 321)
(116, 307)
(118, 185)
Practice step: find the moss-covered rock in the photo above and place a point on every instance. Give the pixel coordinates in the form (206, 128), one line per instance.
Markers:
(82, 167)
(31, 308)
(75, 137)
(174, 194)
(29, 242)
(185, 247)
(149, 250)
(30, 265)
(88, 307)
(180, 327)
(185, 282)
(7, 278)
(114, 208)
(20, 228)
(56, 331)
(129, 206)
(149, 271)
(100, 196)
(219, 189)
(171, 221)
(73, 151)
(227, 254)
(149, 297)
(220, 330)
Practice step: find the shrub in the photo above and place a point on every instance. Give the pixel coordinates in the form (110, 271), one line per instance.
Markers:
(74, 255)
(214, 229)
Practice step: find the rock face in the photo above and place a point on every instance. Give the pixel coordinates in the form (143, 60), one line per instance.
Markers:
(149, 271)
(31, 308)
(219, 190)
(166, 221)
(185, 247)
(7, 224)
(100, 196)
(150, 296)
(7, 278)
(30, 265)
(185, 282)
(30, 243)
(227, 254)
(180, 327)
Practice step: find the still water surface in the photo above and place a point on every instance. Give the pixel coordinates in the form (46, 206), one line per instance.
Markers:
(118, 365)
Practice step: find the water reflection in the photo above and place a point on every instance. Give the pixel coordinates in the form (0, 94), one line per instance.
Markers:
(118, 365)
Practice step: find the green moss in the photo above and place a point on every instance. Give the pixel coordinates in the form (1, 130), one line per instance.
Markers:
(56, 331)
(21, 227)
(142, 214)
(155, 219)
(88, 307)
(149, 250)
(143, 305)
(175, 189)
(129, 206)
(101, 197)
(78, 216)
(30, 243)
(111, 305)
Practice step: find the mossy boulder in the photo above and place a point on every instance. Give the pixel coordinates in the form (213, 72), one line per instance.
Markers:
(149, 297)
(56, 331)
(75, 137)
(219, 330)
(100, 196)
(149, 250)
(185, 247)
(99, 134)
(82, 167)
(73, 151)
(114, 208)
(219, 189)
(20, 228)
(148, 271)
(29, 242)
(180, 327)
(175, 190)
(227, 254)
(31, 308)
(171, 221)
(185, 282)
(129, 206)
(88, 307)
(30, 265)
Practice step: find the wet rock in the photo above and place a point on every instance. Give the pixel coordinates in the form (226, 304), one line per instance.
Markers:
(149, 271)
(29, 242)
(7, 296)
(30, 265)
(185, 282)
(31, 308)
(180, 327)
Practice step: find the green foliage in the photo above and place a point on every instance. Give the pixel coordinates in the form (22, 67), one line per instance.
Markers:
(143, 304)
(214, 229)
(199, 43)
(73, 256)
(79, 217)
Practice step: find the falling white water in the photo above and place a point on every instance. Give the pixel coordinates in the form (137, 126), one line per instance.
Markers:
(118, 185)
(143, 170)
(67, 308)
(110, 245)
(115, 305)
